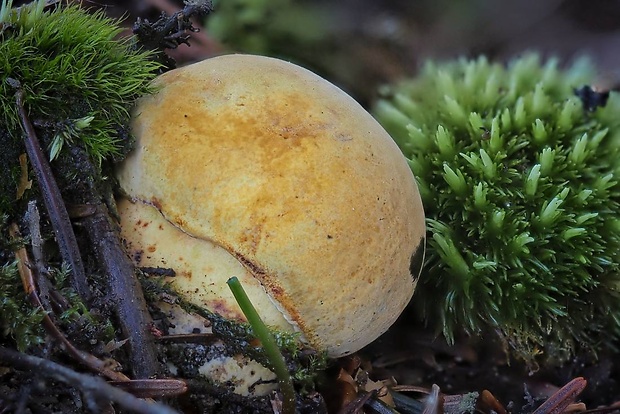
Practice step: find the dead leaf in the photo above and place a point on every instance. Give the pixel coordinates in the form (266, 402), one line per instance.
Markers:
(24, 182)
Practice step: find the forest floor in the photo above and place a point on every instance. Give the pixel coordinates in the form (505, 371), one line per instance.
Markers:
(418, 360)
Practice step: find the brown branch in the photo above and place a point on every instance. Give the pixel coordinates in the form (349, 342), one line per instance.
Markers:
(122, 284)
(125, 291)
(202, 44)
(153, 388)
(90, 385)
(24, 267)
(53, 201)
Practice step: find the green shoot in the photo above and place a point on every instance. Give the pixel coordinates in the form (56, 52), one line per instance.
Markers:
(269, 345)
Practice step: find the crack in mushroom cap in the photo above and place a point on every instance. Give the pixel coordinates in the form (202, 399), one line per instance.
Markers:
(293, 178)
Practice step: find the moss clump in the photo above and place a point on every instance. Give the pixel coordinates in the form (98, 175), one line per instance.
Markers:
(520, 186)
(79, 80)
(18, 320)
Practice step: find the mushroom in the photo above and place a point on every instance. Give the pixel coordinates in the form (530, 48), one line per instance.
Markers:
(254, 167)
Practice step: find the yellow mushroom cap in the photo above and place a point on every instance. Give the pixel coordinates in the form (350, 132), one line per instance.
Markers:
(254, 167)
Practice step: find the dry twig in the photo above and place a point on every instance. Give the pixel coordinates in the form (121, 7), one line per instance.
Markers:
(52, 199)
(25, 272)
(93, 387)
(168, 32)
(155, 388)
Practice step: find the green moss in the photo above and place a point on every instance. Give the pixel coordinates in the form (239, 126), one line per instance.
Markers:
(76, 320)
(520, 187)
(18, 320)
(73, 69)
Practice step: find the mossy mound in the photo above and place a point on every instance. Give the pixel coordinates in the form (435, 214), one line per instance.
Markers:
(79, 79)
(519, 179)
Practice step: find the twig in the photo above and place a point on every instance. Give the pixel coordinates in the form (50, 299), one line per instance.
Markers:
(269, 345)
(49, 296)
(90, 385)
(24, 267)
(123, 286)
(153, 388)
(168, 32)
(202, 44)
(34, 219)
(52, 199)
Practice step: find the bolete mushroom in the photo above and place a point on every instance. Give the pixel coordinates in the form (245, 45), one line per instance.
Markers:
(254, 167)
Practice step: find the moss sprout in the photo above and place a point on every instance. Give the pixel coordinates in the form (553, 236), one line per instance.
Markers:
(18, 319)
(519, 179)
(276, 359)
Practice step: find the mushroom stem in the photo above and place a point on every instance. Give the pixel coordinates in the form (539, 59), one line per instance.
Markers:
(269, 345)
